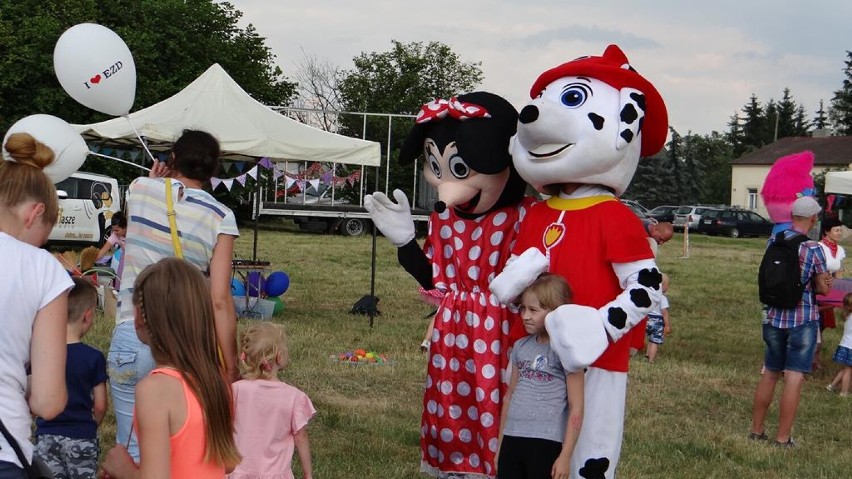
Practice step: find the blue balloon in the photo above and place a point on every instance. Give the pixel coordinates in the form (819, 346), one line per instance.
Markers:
(237, 288)
(277, 283)
(255, 283)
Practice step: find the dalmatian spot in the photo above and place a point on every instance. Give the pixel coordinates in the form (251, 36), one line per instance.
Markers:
(640, 298)
(627, 135)
(594, 468)
(597, 121)
(639, 99)
(650, 278)
(617, 317)
(629, 113)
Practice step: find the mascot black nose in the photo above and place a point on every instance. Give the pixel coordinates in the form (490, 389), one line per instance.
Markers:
(529, 114)
(440, 206)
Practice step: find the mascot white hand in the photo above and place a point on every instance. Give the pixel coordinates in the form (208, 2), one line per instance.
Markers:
(392, 219)
(580, 334)
(519, 272)
(577, 335)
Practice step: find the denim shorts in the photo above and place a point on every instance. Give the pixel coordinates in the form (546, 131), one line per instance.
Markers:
(843, 356)
(790, 349)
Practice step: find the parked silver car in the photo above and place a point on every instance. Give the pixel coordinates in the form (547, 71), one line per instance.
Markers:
(690, 215)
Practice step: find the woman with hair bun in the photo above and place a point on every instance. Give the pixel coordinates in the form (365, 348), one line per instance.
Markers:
(33, 298)
(206, 230)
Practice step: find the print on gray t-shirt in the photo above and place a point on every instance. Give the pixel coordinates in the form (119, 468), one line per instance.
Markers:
(539, 406)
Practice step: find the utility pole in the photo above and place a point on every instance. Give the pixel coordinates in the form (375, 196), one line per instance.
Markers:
(777, 114)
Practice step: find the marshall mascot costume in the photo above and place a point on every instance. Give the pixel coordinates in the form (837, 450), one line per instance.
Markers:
(580, 140)
(465, 143)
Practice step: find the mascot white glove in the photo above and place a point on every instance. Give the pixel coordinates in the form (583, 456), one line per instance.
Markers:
(519, 272)
(577, 335)
(392, 219)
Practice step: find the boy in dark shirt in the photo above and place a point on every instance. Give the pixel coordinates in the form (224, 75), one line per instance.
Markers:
(69, 442)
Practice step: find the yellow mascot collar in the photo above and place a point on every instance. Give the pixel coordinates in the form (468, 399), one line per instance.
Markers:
(570, 204)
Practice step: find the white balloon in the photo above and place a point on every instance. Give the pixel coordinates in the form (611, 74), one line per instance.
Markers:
(95, 67)
(67, 145)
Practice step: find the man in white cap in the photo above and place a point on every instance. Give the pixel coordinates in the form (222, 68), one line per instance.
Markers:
(790, 333)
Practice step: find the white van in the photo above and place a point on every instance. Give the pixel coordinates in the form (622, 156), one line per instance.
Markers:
(87, 202)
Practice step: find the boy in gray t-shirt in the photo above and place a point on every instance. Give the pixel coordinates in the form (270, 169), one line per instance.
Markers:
(538, 429)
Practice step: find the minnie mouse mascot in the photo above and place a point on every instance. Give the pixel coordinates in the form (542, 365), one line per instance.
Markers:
(580, 140)
(465, 141)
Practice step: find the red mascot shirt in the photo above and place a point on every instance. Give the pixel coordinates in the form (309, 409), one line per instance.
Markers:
(594, 233)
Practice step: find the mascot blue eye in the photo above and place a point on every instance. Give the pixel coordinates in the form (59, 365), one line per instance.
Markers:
(575, 95)
(434, 165)
(459, 168)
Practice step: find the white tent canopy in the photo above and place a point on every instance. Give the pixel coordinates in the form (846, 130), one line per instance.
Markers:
(215, 103)
(838, 182)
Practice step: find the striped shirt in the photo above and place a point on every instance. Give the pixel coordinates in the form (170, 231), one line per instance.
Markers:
(200, 220)
(811, 263)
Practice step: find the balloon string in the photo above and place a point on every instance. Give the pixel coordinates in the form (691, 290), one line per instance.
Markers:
(145, 146)
(119, 159)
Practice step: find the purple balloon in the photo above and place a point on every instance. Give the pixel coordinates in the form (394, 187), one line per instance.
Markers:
(255, 282)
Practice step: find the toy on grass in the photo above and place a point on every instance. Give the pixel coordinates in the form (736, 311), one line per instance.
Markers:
(255, 283)
(361, 356)
(277, 283)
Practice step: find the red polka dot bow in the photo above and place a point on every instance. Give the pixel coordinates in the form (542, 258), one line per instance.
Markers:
(440, 108)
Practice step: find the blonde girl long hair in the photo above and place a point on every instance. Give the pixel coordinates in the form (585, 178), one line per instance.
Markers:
(263, 345)
(23, 180)
(177, 314)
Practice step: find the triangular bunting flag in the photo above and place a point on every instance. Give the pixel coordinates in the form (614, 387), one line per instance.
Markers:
(215, 182)
(289, 181)
(253, 172)
(265, 163)
(226, 166)
(241, 180)
(240, 165)
(315, 184)
(229, 183)
(276, 173)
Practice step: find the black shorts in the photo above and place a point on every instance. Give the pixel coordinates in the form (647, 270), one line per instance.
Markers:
(526, 457)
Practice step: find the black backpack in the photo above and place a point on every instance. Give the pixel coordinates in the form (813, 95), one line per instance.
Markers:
(779, 279)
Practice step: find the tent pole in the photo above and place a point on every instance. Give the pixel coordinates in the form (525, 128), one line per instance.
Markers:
(257, 200)
(372, 311)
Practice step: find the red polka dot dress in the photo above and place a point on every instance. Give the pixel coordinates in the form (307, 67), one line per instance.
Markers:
(468, 355)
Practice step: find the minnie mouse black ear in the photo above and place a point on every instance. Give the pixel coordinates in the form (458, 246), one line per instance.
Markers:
(96, 199)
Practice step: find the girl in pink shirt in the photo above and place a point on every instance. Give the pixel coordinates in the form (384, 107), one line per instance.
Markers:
(270, 415)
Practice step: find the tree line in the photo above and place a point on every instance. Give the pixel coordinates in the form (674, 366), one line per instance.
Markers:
(696, 169)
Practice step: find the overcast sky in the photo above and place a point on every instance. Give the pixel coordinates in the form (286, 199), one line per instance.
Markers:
(706, 58)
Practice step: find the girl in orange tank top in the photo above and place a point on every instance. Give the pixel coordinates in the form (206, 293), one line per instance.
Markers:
(183, 414)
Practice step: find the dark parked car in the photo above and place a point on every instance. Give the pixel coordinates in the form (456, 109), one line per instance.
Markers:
(735, 222)
(663, 213)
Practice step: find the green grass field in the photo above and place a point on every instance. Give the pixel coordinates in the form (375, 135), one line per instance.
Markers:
(688, 414)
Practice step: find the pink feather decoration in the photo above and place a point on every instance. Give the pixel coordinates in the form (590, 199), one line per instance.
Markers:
(789, 176)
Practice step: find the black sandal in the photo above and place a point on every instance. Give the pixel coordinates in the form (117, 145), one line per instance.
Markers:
(789, 444)
(758, 437)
